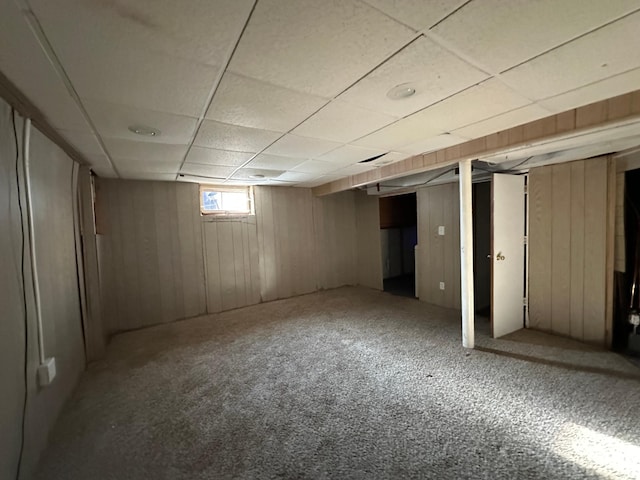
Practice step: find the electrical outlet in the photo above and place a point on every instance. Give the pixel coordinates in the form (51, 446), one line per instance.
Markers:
(47, 372)
(441, 230)
(634, 319)
(441, 285)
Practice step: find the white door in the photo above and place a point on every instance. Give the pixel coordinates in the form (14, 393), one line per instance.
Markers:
(508, 254)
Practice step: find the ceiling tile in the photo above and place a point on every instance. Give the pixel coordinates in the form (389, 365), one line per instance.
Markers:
(27, 67)
(224, 136)
(321, 180)
(388, 158)
(145, 166)
(316, 46)
(417, 14)
(212, 156)
(432, 144)
(85, 142)
(348, 154)
(406, 131)
(301, 147)
(113, 120)
(274, 162)
(610, 87)
(101, 165)
(342, 122)
(354, 169)
(431, 70)
(526, 28)
(315, 166)
(157, 177)
(250, 103)
(199, 30)
(604, 53)
(477, 103)
(210, 171)
(297, 177)
(247, 173)
(144, 151)
(526, 114)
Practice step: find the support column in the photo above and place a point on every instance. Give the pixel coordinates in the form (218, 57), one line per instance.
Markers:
(466, 255)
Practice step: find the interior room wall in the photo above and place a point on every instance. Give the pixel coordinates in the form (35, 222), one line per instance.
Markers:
(160, 260)
(439, 255)
(53, 192)
(568, 206)
(150, 253)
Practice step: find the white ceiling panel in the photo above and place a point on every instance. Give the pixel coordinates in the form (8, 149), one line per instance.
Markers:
(348, 154)
(224, 136)
(26, 66)
(198, 30)
(144, 151)
(248, 173)
(316, 166)
(250, 103)
(113, 120)
(145, 165)
(297, 146)
(321, 180)
(354, 169)
(101, 166)
(404, 132)
(434, 143)
(610, 87)
(502, 34)
(478, 103)
(604, 53)
(212, 156)
(211, 171)
(85, 142)
(316, 46)
(158, 177)
(432, 71)
(418, 14)
(274, 162)
(526, 114)
(388, 158)
(297, 177)
(342, 122)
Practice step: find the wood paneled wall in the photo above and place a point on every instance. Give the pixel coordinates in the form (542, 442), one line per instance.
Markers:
(439, 255)
(286, 241)
(568, 268)
(232, 263)
(368, 240)
(160, 260)
(336, 252)
(151, 253)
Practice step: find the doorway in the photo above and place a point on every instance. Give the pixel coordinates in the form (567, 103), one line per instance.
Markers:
(398, 238)
(481, 198)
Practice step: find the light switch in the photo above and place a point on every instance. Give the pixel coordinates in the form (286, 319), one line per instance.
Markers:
(441, 285)
(441, 232)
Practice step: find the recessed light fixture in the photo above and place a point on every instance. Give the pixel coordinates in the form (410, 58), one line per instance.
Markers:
(256, 177)
(404, 90)
(145, 131)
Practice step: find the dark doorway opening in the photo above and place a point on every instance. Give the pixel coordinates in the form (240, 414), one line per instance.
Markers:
(398, 238)
(482, 248)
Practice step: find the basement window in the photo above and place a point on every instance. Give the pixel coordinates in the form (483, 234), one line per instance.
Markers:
(227, 200)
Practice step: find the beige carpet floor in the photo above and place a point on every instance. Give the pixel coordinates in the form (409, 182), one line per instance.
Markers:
(347, 383)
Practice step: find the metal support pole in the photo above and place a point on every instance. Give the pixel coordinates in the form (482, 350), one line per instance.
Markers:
(466, 255)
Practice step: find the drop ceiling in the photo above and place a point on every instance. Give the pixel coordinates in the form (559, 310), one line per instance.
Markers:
(297, 90)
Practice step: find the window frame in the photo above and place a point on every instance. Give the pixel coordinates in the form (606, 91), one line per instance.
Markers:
(248, 189)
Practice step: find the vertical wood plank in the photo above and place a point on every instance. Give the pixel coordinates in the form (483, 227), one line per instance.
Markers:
(610, 249)
(595, 250)
(577, 250)
(368, 240)
(227, 267)
(214, 296)
(238, 263)
(540, 208)
(561, 249)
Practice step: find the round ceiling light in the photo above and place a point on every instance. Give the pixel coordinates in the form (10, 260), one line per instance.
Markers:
(404, 90)
(145, 131)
